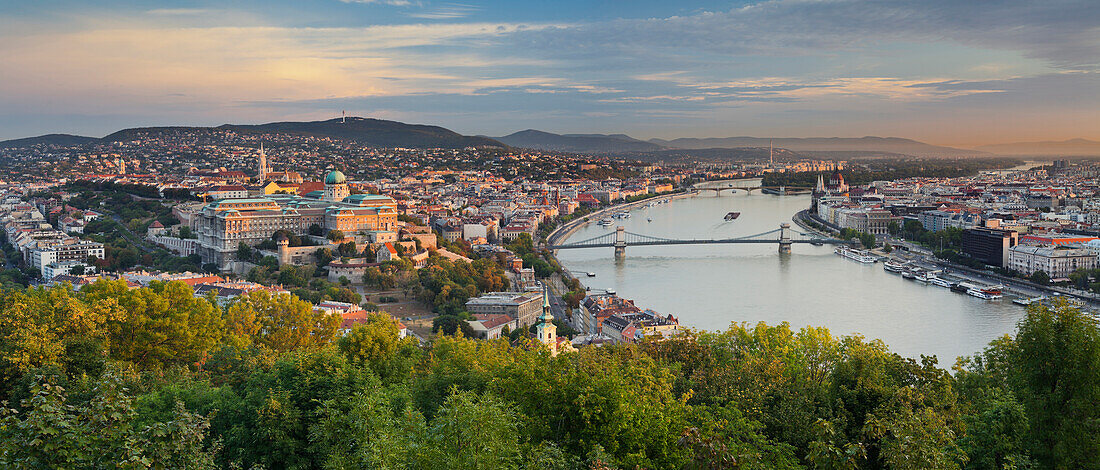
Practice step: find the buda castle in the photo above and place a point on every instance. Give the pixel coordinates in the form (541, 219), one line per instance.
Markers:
(222, 225)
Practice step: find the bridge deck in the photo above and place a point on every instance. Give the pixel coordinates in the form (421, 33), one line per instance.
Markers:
(694, 242)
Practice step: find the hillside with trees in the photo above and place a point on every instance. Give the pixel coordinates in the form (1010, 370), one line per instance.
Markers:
(111, 377)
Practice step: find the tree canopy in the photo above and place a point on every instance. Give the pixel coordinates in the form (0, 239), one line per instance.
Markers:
(112, 377)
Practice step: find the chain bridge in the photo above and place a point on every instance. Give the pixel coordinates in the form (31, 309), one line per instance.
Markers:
(783, 236)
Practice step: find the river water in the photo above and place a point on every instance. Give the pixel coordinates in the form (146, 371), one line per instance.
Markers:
(711, 286)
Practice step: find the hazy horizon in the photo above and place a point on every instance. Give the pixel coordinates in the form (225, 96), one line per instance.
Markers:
(957, 74)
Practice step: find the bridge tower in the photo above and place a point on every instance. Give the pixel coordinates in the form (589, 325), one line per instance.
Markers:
(784, 238)
(620, 242)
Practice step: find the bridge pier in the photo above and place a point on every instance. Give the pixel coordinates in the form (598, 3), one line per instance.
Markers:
(784, 238)
(620, 242)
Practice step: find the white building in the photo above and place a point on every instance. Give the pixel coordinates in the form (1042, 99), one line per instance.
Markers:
(1057, 262)
(522, 306)
(70, 250)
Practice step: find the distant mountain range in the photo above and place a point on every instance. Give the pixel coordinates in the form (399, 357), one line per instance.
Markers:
(579, 143)
(48, 139)
(365, 131)
(1066, 148)
(624, 144)
(895, 145)
(383, 133)
(372, 132)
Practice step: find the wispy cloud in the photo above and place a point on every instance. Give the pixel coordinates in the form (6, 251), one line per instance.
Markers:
(1066, 33)
(446, 11)
(809, 63)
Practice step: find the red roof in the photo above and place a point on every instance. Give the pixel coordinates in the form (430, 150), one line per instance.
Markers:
(493, 320)
(307, 187)
(194, 281)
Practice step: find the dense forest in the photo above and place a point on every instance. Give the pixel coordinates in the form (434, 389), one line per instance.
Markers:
(111, 377)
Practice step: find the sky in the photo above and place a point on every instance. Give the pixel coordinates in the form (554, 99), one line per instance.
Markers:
(949, 72)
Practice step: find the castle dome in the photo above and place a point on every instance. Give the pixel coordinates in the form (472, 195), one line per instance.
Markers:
(335, 177)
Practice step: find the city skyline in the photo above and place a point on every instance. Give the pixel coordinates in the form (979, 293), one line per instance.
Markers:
(941, 72)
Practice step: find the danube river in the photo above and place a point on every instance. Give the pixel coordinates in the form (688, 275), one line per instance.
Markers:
(710, 286)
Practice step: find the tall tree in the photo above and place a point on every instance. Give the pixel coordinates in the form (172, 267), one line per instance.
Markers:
(281, 322)
(164, 324)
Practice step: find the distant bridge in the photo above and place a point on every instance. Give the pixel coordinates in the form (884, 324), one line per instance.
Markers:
(749, 189)
(620, 239)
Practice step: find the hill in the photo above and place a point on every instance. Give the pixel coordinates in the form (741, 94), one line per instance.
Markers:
(63, 140)
(1068, 148)
(578, 143)
(824, 144)
(716, 155)
(365, 131)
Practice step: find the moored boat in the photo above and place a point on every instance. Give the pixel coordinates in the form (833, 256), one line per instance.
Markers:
(1026, 302)
(981, 294)
(936, 280)
(894, 266)
(962, 287)
(856, 255)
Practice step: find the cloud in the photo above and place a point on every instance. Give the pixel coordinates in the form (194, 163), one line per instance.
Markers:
(1065, 33)
(447, 11)
(808, 63)
(149, 65)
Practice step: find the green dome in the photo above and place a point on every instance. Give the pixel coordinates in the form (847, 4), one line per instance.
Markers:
(335, 177)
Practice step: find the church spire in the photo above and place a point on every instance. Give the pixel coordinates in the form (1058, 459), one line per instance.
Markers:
(545, 329)
(262, 169)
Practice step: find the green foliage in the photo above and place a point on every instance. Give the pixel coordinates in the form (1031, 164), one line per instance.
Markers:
(522, 245)
(867, 239)
(279, 322)
(56, 430)
(451, 324)
(447, 285)
(347, 248)
(152, 378)
(159, 326)
(371, 343)
(408, 219)
(1039, 277)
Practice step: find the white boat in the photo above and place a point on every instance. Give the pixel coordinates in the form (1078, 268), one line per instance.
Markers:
(981, 294)
(1026, 302)
(591, 274)
(921, 275)
(936, 280)
(856, 255)
(604, 222)
(894, 266)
